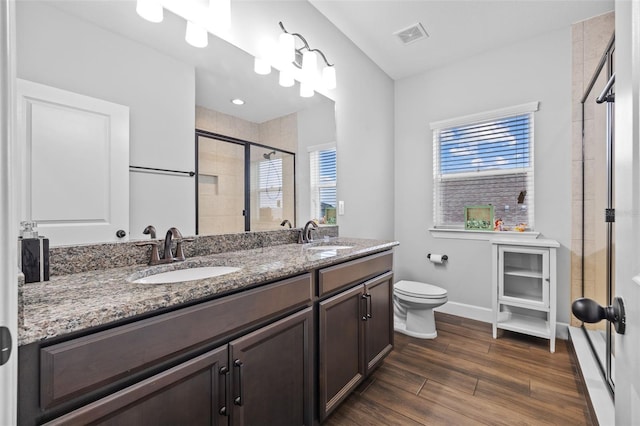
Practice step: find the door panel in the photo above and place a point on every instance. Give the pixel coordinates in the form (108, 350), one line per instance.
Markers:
(271, 380)
(379, 324)
(76, 164)
(8, 247)
(341, 344)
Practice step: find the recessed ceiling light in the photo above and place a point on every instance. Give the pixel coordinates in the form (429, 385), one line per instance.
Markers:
(237, 101)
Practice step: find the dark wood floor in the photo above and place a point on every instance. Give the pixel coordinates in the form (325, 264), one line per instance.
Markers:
(465, 377)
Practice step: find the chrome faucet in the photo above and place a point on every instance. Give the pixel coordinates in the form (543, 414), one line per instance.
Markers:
(305, 233)
(285, 222)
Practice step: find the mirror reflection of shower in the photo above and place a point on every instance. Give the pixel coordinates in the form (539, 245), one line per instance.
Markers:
(272, 183)
(273, 176)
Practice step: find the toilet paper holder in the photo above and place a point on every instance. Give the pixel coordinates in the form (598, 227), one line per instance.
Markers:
(444, 256)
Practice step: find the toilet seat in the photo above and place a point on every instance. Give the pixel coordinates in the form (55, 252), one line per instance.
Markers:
(419, 290)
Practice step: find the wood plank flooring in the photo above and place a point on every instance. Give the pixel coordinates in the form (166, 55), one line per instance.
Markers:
(465, 377)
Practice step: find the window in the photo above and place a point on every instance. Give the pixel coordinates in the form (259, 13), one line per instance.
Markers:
(270, 184)
(323, 176)
(485, 159)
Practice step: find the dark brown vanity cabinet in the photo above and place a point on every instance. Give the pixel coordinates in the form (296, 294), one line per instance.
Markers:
(283, 353)
(263, 378)
(355, 326)
(243, 359)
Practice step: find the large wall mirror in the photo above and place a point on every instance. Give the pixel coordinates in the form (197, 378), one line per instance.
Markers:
(104, 50)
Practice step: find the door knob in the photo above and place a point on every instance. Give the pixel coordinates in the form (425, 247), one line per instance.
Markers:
(590, 311)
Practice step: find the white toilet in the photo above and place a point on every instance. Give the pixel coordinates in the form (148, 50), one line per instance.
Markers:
(413, 304)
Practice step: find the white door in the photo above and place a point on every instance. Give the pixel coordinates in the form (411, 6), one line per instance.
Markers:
(75, 153)
(8, 247)
(627, 205)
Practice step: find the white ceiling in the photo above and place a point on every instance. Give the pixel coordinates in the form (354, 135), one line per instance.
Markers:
(456, 28)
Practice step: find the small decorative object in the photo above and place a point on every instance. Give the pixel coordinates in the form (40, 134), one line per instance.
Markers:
(521, 227)
(497, 225)
(478, 218)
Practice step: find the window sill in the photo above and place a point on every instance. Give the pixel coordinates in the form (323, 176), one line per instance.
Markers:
(464, 234)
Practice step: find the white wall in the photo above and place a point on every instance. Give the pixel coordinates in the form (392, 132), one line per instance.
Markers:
(538, 69)
(364, 110)
(62, 51)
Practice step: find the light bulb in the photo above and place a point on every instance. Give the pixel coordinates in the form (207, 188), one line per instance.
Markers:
(220, 13)
(306, 89)
(196, 35)
(309, 65)
(286, 78)
(329, 77)
(151, 10)
(287, 48)
(260, 66)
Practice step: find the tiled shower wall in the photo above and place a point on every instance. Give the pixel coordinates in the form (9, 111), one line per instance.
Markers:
(589, 41)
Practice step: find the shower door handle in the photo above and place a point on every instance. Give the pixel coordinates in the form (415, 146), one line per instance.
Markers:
(590, 311)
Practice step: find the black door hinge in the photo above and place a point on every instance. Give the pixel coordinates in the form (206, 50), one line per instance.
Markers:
(609, 215)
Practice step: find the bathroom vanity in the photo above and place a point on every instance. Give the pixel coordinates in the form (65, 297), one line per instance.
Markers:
(282, 341)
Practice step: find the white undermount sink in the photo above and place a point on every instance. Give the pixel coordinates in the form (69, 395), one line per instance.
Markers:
(328, 247)
(188, 274)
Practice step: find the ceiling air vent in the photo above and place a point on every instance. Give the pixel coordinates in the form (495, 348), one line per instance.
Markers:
(411, 34)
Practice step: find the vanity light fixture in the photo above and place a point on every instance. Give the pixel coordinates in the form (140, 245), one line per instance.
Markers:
(151, 10)
(286, 78)
(261, 66)
(306, 89)
(202, 16)
(237, 101)
(220, 11)
(304, 58)
(196, 35)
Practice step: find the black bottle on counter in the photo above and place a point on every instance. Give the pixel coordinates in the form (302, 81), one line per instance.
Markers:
(33, 257)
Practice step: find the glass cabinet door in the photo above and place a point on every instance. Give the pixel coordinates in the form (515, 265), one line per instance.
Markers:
(524, 279)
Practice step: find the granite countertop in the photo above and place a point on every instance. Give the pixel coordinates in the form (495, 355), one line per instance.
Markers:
(70, 303)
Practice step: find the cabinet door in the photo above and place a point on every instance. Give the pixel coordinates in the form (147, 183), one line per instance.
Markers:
(191, 393)
(379, 322)
(271, 378)
(341, 343)
(523, 278)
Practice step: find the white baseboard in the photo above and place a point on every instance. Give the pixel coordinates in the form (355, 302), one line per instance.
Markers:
(486, 315)
(466, 311)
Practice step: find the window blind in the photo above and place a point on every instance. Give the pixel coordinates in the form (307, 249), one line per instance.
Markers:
(485, 162)
(323, 177)
(270, 183)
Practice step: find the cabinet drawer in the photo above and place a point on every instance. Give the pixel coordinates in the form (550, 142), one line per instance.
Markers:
(81, 365)
(339, 276)
(194, 391)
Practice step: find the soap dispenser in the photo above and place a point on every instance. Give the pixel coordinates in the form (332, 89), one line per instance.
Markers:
(33, 258)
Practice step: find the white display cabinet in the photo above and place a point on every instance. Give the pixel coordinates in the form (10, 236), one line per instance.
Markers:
(524, 287)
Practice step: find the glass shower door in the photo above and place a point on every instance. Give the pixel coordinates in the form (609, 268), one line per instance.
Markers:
(598, 243)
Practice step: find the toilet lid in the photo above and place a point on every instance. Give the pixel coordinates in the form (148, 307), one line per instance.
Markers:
(418, 289)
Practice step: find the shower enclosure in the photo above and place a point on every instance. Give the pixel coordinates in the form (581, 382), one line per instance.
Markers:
(598, 245)
(241, 185)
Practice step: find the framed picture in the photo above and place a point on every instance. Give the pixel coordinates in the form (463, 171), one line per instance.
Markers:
(478, 218)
